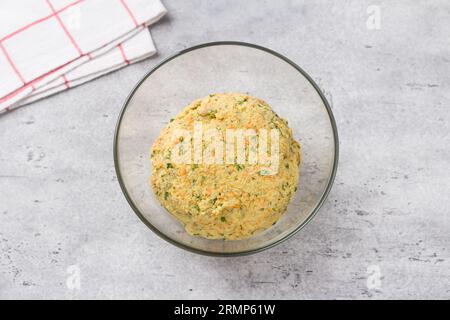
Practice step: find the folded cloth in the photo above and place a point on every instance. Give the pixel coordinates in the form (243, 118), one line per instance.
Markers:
(47, 46)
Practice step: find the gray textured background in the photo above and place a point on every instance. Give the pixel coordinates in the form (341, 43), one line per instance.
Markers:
(386, 219)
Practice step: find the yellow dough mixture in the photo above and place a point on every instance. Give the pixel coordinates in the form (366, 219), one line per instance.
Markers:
(225, 200)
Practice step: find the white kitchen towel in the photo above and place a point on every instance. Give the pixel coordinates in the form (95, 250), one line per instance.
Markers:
(47, 46)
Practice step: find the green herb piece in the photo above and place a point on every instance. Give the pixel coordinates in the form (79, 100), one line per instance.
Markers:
(223, 219)
(239, 167)
(194, 166)
(166, 195)
(242, 101)
(169, 165)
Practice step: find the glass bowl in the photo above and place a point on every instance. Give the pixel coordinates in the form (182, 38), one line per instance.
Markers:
(226, 67)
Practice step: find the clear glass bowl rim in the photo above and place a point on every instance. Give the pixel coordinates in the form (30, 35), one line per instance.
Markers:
(240, 253)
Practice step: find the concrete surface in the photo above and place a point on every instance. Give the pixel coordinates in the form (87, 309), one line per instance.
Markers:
(66, 230)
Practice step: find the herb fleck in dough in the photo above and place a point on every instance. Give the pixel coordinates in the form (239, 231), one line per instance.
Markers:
(225, 201)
